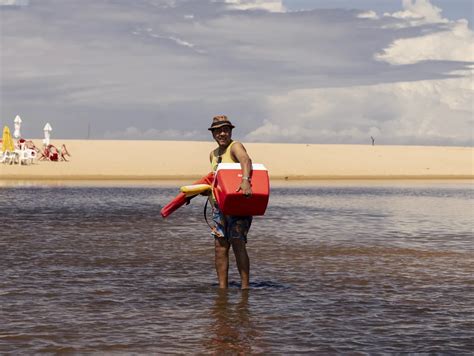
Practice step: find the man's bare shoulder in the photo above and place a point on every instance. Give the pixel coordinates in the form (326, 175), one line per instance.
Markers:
(237, 146)
(239, 153)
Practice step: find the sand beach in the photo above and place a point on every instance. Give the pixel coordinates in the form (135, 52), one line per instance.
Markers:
(171, 160)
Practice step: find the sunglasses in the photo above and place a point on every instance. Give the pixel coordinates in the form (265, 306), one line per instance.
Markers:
(225, 129)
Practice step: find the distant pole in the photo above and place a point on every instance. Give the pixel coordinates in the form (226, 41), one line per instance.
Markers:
(88, 130)
(373, 140)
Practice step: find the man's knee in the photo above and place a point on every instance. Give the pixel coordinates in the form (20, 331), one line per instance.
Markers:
(238, 245)
(221, 246)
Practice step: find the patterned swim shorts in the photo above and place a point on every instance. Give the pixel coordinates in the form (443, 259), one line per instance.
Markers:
(230, 227)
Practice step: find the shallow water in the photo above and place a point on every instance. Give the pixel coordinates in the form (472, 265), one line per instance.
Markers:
(335, 268)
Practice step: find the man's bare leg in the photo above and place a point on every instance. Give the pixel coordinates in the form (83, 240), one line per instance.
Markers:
(243, 262)
(222, 261)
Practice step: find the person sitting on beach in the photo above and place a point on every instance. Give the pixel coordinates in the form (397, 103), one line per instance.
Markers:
(63, 152)
(52, 153)
(43, 154)
(230, 230)
(30, 145)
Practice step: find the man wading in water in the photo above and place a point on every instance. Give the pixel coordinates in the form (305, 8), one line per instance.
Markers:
(230, 230)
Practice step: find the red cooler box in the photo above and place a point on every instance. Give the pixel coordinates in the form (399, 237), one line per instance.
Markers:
(227, 181)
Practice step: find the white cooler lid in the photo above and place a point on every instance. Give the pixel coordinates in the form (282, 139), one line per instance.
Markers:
(255, 166)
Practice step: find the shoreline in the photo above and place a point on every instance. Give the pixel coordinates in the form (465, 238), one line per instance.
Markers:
(119, 178)
(103, 160)
(175, 184)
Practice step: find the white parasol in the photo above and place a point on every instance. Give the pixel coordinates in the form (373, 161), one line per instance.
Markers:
(17, 122)
(47, 133)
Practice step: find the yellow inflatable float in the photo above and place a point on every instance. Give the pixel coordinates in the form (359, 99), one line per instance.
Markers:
(194, 189)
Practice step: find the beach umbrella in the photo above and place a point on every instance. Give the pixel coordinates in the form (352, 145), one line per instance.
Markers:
(7, 141)
(17, 122)
(47, 133)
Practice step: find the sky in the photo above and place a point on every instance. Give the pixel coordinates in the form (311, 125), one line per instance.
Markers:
(295, 71)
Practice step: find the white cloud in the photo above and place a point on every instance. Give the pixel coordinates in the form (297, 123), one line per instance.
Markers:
(269, 5)
(368, 15)
(14, 2)
(178, 41)
(419, 12)
(427, 112)
(456, 43)
(134, 133)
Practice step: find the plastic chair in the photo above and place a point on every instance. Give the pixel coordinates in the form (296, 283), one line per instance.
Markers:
(26, 156)
(8, 157)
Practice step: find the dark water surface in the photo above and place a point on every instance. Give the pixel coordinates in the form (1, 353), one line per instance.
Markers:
(335, 268)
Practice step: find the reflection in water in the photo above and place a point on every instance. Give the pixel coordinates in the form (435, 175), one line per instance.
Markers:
(232, 329)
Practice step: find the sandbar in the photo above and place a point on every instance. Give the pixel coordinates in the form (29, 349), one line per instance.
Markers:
(110, 160)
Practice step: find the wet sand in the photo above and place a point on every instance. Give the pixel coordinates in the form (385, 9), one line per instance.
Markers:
(185, 160)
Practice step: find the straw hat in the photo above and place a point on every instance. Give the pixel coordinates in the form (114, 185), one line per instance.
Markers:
(219, 121)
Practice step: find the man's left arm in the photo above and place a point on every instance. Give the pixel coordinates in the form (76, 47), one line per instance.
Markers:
(239, 152)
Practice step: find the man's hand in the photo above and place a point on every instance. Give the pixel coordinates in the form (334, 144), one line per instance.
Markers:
(246, 188)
